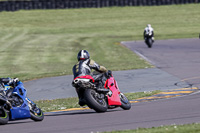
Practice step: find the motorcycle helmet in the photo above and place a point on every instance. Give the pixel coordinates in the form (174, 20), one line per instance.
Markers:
(148, 25)
(83, 55)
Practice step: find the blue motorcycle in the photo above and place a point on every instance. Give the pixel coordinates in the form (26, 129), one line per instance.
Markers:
(17, 106)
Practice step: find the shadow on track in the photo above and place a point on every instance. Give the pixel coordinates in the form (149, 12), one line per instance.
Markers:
(16, 122)
(82, 112)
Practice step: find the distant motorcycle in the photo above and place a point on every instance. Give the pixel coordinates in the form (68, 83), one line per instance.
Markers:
(149, 40)
(18, 106)
(101, 100)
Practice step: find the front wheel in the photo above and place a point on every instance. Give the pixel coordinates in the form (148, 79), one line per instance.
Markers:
(4, 116)
(94, 101)
(126, 105)
(36, 112)
(149, 42)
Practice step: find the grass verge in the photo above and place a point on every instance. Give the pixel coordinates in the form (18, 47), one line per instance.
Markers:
(42, 43)
(66, 103)
(187, 128)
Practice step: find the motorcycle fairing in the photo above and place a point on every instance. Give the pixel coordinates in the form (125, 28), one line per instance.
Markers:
(23, 111)
(110, 84)
(114, 99)
(20, 112)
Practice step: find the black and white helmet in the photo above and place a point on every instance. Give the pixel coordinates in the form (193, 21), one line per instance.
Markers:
(149, 25)
(83, 55)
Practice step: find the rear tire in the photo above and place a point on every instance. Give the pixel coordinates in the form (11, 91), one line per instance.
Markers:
(4, 116)
(126, 105)
(92, 100)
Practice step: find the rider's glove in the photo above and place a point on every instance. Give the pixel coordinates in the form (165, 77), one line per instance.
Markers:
(108, 74)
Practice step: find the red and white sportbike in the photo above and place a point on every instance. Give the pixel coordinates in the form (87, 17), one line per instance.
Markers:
(100, 99)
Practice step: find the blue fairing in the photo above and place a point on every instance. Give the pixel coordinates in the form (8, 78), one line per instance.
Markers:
(22, 111)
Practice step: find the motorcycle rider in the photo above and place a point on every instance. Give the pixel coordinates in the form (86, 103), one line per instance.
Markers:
(84, 67)
(148, 30)
(10, 82)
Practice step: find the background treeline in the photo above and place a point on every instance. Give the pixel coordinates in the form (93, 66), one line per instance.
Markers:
(14, 5)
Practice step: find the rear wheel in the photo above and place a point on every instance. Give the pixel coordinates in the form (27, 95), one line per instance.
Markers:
(4, 116)
(95, 101)
(126, 105)
(36, 113)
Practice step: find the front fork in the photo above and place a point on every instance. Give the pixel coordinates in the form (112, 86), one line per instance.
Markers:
(30, 103)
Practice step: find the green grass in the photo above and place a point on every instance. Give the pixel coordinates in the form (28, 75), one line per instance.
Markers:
(58, 104)
(187, 128)
(42, 43)
(66, 103)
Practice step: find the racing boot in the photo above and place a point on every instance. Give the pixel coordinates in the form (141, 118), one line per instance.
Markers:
(81, 101)
(101, 88)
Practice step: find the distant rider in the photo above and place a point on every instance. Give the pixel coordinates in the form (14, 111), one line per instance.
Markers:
(84, 67)
(148, 30)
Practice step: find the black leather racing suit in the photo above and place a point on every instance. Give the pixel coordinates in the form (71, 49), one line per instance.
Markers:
(147, 31)
(7, 81)
(84, 67)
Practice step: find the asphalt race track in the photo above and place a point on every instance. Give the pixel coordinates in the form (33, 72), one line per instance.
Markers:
(180, 110)
(128, 81)
(179, 58)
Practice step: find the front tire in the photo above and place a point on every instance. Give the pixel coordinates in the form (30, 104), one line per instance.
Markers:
(126, 105)
(4, 116)
(94, 102)
(36, 113)
(149, 42)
